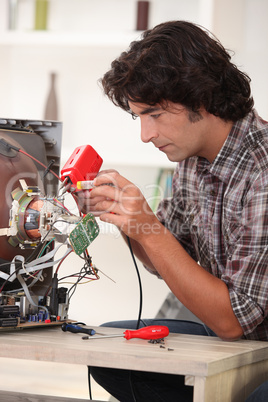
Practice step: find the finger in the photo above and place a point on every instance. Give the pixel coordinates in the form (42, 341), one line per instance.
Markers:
(111, 218)
(107, 171)
(112, 178)
(105, 192)
(95, 200)
(110, 206)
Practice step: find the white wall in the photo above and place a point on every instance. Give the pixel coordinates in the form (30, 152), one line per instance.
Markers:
(241, 26)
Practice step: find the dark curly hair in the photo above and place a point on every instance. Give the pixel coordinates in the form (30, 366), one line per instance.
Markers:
(180, 62)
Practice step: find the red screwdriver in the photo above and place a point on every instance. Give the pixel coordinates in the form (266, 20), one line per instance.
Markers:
(151, 332)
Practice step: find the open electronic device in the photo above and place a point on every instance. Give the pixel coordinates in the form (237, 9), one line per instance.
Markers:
(35, 223)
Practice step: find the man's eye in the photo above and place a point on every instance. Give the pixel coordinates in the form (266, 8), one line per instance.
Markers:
(155, 116)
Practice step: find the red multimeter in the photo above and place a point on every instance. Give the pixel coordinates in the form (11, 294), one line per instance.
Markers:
(83, 164)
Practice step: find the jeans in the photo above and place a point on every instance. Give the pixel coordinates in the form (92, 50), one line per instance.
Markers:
(260, 394)
(140, 386)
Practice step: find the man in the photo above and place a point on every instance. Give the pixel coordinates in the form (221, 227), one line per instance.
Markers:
(209, 242)
(260, 394)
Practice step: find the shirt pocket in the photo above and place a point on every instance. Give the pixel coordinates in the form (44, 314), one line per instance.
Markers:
(199, 239)
(232, 231)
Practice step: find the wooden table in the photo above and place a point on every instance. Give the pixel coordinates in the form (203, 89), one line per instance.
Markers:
(219, 371)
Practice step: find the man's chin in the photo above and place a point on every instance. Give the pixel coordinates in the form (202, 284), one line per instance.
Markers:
(173, 158)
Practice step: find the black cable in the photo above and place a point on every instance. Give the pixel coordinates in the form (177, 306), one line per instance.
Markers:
(15, 272)
(48, 168)
(89, 383)
(139, 279)
(79, 279)
(9, 146)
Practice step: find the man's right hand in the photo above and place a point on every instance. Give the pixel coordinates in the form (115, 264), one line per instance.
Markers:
(86, 203)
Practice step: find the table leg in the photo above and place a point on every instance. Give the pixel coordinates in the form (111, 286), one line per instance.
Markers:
(232, 385)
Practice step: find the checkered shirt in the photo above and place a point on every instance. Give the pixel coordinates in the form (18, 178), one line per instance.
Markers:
(219, 214)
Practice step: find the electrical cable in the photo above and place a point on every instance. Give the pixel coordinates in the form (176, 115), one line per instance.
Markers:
(35, 265)
(47, 168)
(36, 254)
(63, 207)
(45, 247)
(37, 161)
(9, 276)
(57, 269)
(79, 279)
(140, 310)
(139, 280)
(73, 288)
(28, 259)
(88, 268)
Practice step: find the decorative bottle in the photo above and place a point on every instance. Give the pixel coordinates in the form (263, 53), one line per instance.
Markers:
(142, 15)
(41, 14)
(51, 107)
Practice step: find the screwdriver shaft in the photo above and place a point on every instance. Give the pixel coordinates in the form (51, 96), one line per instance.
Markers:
(103, 336)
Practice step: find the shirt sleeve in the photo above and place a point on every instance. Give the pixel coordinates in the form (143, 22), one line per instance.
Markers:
(246, 273)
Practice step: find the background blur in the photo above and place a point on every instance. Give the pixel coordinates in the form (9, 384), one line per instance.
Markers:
(81, 39)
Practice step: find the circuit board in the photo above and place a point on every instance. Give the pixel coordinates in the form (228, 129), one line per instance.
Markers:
(84, 233)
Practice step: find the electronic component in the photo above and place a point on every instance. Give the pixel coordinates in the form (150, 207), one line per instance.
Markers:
(63, 303)
(84, 233)
(34, 220)
(32, 217)
(9, 316)
(5, 311)
(8, 322)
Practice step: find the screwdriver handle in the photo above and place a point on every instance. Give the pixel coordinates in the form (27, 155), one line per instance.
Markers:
(150, 332)
(74, 328)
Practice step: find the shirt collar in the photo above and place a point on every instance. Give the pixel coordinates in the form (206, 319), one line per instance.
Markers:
(222, 166)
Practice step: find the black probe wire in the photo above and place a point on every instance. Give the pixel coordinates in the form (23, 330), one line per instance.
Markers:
(140, 310)
(82, 274)
(138, 321)
(139, 279)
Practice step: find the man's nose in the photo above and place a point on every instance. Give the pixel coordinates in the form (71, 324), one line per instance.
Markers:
(148, 131)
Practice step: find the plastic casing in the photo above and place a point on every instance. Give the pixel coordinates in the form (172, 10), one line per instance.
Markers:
(83, 164)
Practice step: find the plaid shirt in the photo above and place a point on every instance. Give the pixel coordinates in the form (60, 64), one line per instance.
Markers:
(219, 214)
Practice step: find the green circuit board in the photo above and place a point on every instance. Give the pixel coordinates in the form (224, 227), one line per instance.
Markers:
(84, 233)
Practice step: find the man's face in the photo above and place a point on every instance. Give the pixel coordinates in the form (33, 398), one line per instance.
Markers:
(174, 130)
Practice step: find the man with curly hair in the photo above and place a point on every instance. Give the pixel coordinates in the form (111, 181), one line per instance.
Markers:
(209, 241)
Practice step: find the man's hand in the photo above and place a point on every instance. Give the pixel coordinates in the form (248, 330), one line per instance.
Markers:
(118, 201)
(87, 202)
